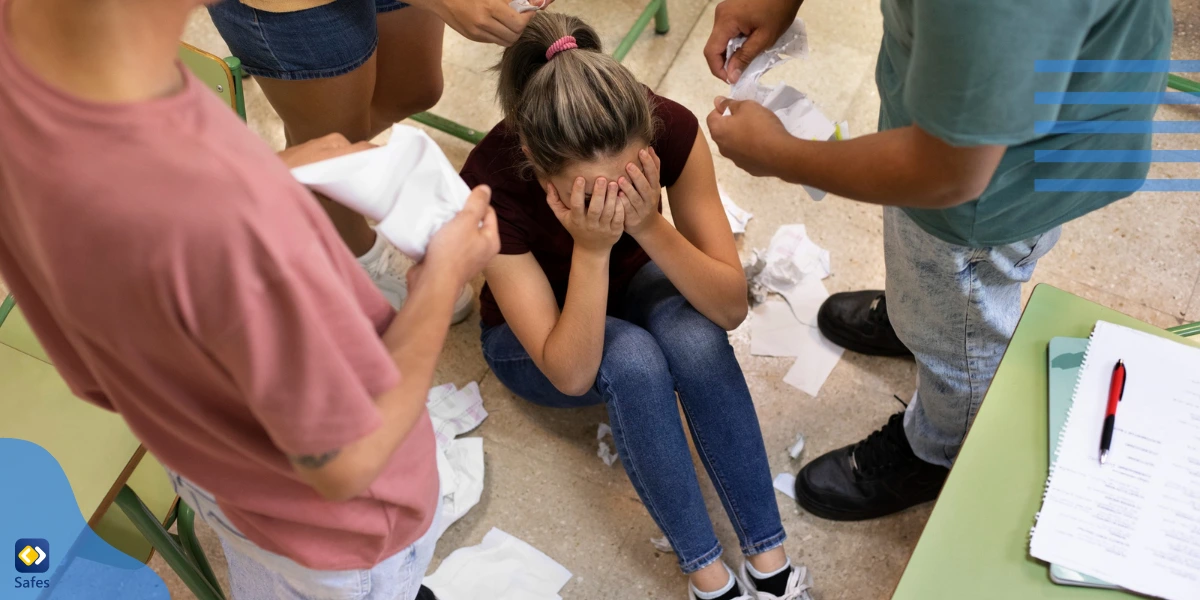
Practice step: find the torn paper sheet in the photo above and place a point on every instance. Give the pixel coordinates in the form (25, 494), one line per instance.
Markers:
(792, 44)
(791, 257)
(752, 267)
(816, 359)
(805, 299)
(797, 447)
(661, 544)
(502, 567)
(523, 6)
(738, 216)
(460, 462)
(407, 186)
(774, 330)
(786, 483)
(604, 450)
(460, 470)
(453, 411)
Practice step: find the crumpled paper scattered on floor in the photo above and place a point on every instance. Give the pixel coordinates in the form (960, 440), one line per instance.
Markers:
(460, 461)
(738, 216)
(604, 450)
(786, 483)
(661, 544)
(793, 267)
(502, 567)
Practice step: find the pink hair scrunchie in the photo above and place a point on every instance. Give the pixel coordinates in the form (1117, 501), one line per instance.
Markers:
(566, 42)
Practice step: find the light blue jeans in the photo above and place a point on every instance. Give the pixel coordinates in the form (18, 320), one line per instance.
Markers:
(955, 307)
(256, 574)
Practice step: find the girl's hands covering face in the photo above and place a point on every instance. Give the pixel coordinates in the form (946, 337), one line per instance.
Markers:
(641, 191)
(599, 224)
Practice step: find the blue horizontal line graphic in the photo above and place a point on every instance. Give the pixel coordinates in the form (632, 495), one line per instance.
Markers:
(1117, 66)
(1116, 185)
(1045, 127)
(1115, 156)
(1115, 98)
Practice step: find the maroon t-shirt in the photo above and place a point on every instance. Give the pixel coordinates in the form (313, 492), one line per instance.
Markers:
(528, 225)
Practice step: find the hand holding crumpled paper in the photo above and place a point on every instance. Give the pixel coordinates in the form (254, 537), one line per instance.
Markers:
(407, 186)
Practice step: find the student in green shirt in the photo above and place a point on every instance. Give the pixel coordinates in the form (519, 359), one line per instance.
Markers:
(954, 165)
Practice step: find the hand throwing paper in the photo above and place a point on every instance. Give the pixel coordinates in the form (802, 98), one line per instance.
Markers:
(407, 186)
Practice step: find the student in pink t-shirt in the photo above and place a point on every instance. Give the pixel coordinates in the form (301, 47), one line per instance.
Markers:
(177, 274)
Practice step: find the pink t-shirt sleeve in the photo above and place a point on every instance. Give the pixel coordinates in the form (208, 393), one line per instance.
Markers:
(306, 356)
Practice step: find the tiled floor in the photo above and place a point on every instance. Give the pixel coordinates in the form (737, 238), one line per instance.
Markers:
(544, 481)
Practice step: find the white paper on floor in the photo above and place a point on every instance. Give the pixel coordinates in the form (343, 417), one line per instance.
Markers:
(774, 330)
(407, 186)
(604, 450)
(796, 448)
(661, 544)
(786, 483)
(502, 567)
(816, 361)
(460, 461)
(738, 216)
(792, 256)
(793, 267)
(454, 411)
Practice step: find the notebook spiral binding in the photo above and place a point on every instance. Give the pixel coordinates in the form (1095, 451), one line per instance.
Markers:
(1087, 355)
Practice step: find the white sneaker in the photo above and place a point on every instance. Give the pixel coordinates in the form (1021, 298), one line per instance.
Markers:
(387, 267)
(799, 585)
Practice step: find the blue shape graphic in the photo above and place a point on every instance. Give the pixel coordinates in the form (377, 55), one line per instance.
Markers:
(1115, 156)
(1116, 185)
(1117, 66)
(1047, 127)
(1115, 98)
(37, 504)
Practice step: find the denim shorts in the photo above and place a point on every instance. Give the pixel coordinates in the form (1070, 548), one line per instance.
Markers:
(316, 43)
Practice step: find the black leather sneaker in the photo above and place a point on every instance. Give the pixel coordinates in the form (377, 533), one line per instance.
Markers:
(873, 478)
(858, 321)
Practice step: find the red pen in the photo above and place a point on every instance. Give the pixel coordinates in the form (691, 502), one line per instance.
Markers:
(1116, 391)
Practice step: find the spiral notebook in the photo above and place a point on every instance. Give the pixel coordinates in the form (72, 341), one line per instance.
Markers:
(1135, 521)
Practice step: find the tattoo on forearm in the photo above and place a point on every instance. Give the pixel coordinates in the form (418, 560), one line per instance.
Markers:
(314, 461)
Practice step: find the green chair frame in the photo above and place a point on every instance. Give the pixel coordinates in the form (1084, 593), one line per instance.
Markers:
(181, 551)
(656, 9)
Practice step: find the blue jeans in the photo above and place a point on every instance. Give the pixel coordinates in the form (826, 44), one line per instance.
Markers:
(955, 307)
(256, 573)
(659, 346)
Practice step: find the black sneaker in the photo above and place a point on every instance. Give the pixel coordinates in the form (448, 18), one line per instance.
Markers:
(858, 321)
(425, 594)
(873, 478)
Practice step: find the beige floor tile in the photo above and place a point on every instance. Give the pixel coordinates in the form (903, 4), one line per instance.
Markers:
(1144, 248)
(547, 503)
(567, 435)
(1193, 312)
(1112, 300)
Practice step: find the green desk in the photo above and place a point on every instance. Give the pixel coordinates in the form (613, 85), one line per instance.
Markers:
(976, 543)
(97, 451)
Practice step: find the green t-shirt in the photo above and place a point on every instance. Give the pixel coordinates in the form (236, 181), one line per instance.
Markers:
(964, 71)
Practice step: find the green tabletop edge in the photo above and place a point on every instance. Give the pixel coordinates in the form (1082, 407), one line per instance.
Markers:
(976, 543)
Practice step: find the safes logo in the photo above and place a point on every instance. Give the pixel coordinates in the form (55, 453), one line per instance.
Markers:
(32, 555)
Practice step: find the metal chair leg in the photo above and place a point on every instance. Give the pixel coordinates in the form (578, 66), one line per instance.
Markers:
(656, 9)
(172, 552)
(186, 518)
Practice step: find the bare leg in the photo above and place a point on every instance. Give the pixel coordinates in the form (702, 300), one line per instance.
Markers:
(409, 66)
(312, 108)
